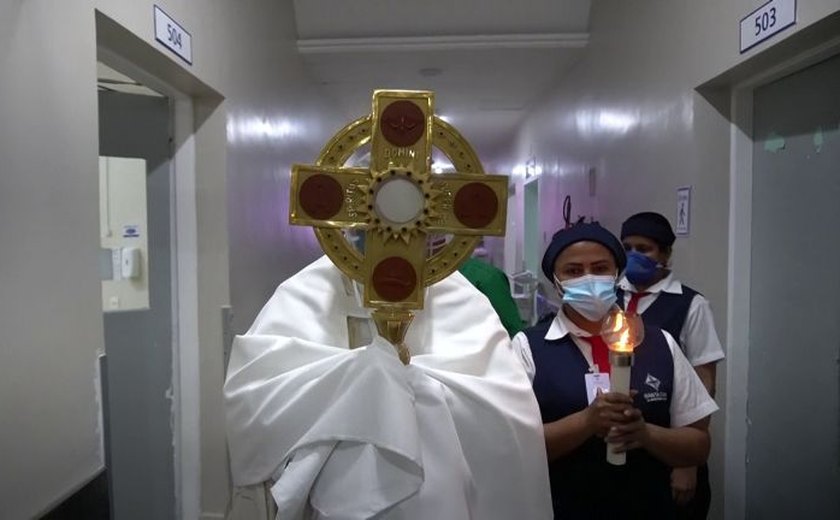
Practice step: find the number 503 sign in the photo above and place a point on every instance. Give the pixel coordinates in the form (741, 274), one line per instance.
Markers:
(767, 20)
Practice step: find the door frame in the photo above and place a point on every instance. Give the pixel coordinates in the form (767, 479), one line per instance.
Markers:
(739, 261)
(121, 50)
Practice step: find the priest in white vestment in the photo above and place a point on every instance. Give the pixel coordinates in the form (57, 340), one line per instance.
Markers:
(352, 433)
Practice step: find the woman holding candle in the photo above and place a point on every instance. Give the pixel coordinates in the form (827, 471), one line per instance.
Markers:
(650, 289)
(662, 425)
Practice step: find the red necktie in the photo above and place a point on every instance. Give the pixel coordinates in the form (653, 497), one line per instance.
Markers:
(600, 352)
(633, 304)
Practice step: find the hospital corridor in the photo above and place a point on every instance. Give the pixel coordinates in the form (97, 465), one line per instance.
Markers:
(464, 259)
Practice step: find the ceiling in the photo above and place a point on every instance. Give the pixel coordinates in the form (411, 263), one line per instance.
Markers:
(486, 60)
(109, 80)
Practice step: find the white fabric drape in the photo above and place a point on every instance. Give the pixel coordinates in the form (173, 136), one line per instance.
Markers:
(351, 434)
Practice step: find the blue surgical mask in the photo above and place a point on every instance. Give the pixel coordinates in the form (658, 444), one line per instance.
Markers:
(641, 269)
(592, 296)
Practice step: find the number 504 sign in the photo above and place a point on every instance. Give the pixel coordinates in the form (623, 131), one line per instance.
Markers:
(767, 20)
(172, 35)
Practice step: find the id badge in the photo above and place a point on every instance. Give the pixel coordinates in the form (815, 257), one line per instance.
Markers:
(594, 382)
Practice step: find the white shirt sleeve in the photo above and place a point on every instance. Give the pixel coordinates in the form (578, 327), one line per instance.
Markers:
(690, 401)
(699, 336)
(522, 349)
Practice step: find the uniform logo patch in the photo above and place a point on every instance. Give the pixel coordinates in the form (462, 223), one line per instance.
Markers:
(656, 395)
(652, 382)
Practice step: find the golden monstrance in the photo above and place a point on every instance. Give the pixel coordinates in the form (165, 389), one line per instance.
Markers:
(397, 202)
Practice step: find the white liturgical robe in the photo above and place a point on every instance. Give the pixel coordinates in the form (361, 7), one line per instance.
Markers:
(353, 433)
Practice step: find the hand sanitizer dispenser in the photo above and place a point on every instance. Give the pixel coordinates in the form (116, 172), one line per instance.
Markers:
(130, 265)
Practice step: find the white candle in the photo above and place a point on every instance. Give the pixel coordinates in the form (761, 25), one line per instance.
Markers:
(623, 333)
(619, 383)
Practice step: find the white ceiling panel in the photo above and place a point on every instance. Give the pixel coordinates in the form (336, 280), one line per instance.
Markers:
(486, 60)
(383, 18)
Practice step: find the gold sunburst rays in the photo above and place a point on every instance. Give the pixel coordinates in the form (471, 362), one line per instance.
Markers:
(429, 210)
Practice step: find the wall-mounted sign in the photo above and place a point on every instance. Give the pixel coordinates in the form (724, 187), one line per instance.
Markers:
(767, 20)
(131, 231)
(683, 210)
(172, 35)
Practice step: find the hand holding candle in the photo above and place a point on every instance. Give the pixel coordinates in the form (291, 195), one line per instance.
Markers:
(622, 332)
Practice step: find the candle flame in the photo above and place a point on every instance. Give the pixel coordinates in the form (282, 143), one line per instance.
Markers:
(623, 344)
(623, 334)
(619, 322)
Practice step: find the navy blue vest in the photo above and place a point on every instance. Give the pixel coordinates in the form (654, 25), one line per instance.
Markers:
(583, 484)
(668, 311)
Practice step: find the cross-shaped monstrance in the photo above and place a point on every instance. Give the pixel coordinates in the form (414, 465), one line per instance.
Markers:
(398, 201)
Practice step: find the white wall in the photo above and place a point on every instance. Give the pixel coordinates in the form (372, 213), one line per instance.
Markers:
(50, 310)
(276, 118)
(629, 109)
(122, 202)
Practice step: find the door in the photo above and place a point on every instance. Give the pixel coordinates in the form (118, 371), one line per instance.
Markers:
(138, 338)
(533, 253)
(793, 462)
